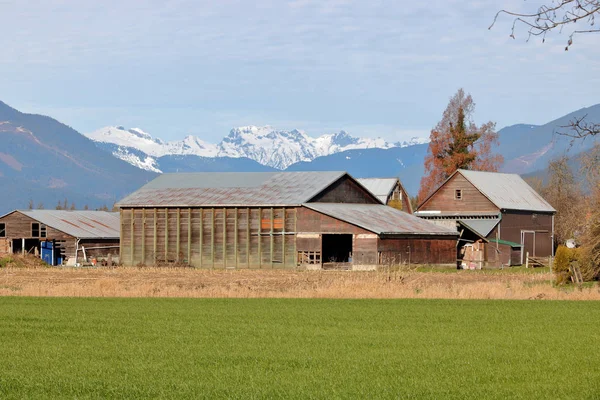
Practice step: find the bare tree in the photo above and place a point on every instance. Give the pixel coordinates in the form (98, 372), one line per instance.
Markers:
(556, 16)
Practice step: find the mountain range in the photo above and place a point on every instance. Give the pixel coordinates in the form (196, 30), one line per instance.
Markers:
(46, 161)
(266, 145)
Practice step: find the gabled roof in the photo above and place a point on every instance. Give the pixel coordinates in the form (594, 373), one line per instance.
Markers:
(81, 224)
(380, 219)
(380, 187)
(232, 189)
(505, 191)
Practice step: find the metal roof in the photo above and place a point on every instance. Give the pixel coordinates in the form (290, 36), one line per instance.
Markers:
(79, 224)
(507, 191)
(381, 219)
(231, 189)
(380, 187)
(481, 227)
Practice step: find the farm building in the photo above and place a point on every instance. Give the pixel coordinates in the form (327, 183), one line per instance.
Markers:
(499, 216)
(58, 235)
(389, 191)
(273, 220)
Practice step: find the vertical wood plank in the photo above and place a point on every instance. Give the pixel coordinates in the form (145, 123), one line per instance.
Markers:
(224, 238)
(259, 238)
(144, 236)
(247, 238)
(132, 235)
(189, 249)
(154, 244)
(120, 238)
(178, 245)
(166, 234)
(271, 236)
(283, 238)
(235, 239)
(295, 237)
(201, 236)
(212, 238)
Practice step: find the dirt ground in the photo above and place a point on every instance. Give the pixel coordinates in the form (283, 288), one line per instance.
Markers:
(187, 282)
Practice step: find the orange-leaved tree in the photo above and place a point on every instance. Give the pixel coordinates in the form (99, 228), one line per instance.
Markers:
(457, 142)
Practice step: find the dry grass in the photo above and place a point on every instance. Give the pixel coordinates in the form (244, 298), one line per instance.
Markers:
(187, 282)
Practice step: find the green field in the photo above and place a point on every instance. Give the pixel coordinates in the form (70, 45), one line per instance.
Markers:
(263, 348)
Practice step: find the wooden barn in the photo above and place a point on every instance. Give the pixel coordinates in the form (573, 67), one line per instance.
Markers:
(273, 220)
(65, 234)
(496, 214)
(389, 191)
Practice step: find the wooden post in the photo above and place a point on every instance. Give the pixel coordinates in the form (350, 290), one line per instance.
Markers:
(295, 237)
(224, 238)
(178, 245)
(235, 238)
(527, 260)
(144, 236)
(120, 238)
(166, 234)
(201, 236)
(283, 238)
(132, 235)
(155, 247)
(189, 252)
(271, 236)
(259, 238)
(212, 238)
(247, 238)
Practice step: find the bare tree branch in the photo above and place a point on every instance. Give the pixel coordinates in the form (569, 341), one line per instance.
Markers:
(554, 17)
(579, 128)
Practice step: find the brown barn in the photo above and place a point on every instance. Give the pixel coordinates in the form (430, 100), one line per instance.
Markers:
(499, 210)
(389, 191)
(70, 232)
(273, 220)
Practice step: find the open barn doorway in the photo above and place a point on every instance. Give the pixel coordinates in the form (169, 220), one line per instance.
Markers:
(337, 248)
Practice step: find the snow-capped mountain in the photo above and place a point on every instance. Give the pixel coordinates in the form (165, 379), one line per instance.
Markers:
(265, 145)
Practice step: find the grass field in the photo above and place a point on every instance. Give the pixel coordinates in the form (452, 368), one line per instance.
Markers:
(298, 348)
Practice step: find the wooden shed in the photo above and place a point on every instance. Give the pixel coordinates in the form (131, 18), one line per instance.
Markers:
(273, 220)
(389, 191)
(72, 234)
(502, 209)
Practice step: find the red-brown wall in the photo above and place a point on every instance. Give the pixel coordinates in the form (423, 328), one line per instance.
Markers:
(472, 199)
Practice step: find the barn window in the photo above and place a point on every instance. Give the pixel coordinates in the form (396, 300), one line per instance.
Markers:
(3, 230)
(43, 231)
(458, 194)
(35, 229)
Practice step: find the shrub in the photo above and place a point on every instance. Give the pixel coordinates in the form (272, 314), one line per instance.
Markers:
(562, 264)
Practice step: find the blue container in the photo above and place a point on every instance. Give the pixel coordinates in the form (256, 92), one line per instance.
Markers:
(47, 252)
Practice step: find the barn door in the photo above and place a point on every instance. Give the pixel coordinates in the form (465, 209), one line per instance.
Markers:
(527, 244)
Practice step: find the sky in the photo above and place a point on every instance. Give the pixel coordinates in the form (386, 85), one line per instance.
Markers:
(372, 68)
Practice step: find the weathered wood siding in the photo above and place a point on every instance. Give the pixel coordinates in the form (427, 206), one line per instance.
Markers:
(417, 251)
(314, 222)
(514, 222)
(209, 237)
(345, 190)
(472, 199)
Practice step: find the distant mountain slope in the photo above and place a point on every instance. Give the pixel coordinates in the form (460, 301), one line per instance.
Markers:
(265, 145)
(191, 163)
(529, 148)
(42, 157)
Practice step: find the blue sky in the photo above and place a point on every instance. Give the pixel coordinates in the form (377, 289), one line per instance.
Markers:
(373, 68)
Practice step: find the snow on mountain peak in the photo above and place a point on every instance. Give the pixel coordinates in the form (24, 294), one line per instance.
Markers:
(264, 144)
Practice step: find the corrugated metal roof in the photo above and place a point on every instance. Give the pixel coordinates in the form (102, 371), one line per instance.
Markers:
(380, 187)
(507, 191)
(381, 219)
(79, 224)
(231, 189)
(482, 227)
